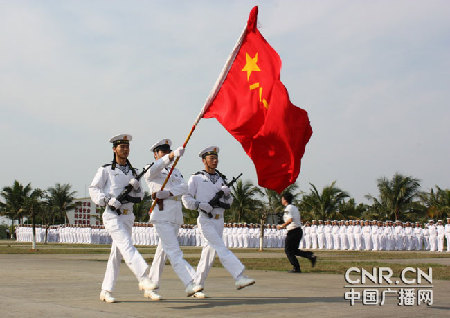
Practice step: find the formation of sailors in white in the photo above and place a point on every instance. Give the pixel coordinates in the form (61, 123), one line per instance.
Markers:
(317, 235)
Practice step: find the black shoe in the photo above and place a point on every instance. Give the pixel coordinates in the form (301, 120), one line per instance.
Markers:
(295, 270)
(313, 260)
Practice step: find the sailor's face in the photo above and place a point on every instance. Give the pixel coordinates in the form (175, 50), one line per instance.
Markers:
(122, 151)
(160, 153)
(211, 161)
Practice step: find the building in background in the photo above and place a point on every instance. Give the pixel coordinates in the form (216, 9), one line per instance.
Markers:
(85, 212)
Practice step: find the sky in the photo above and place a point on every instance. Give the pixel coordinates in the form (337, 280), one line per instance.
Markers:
(374, 77)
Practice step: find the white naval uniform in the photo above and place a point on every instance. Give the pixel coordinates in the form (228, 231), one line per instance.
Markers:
(426, 238)
(327, 229)
(366, 231)
(358, 237)
(110, 183)
(418, 238)
(168, 221)
(201, 189)
(440, 237)
(307, 236)
(447, 235)
(433, 237)
(375, 238)
(350, 237)
(336, 237)
(313, 233)
(399, 233)
(343, 237)
(320, 236)
(408, 238)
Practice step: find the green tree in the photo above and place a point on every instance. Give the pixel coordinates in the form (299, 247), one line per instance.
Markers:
(349, 210)
(34, 205)
(142, 208)
(324, 205)
(436, 202)
(14, 198)
(396, 196)
(245, 204)
(61, 199)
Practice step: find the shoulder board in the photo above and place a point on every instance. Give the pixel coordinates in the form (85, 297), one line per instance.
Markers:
(198, 172)
(105, 165)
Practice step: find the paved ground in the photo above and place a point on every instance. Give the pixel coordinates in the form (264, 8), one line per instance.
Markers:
(68, 286)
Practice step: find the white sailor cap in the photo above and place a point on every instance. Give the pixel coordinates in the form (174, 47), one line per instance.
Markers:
(163, 143)
(439, 221)
(431, 221)
(120, 139)
(211, 150)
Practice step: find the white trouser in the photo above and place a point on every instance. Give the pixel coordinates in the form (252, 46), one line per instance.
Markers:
(119, 228)
(367, 241)
(308, 241)
(433, 241)
(351, 241)
(320, 240)
(440, 243)
(314, 241)
(328, 241)
(419, 243)
(447, 236)
(344, 241)
(168, 246)
(212, 230)
(375, 242)
(336, 241)
(358, 244)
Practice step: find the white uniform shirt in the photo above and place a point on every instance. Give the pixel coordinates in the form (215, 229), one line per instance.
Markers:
(291, 212)
(201, 189)
(155, 177)
(110, 183)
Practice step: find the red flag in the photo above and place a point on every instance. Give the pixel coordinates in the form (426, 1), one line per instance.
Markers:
(253, 106)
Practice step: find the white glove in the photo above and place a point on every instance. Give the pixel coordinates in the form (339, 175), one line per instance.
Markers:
(226, 190)
(163, 194)
(115, 203)
(178, 152)
(135, 183)
(104, 200)
(205, 207)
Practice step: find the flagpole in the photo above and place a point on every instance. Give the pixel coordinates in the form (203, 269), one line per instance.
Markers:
(212, 95)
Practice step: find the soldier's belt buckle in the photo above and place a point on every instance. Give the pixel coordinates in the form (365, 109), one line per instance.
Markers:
(125, 212)
(217, 216)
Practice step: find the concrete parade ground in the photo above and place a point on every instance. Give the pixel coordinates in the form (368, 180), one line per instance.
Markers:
(68, 285)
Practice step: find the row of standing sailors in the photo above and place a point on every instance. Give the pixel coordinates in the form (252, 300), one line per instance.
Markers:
(321, 236)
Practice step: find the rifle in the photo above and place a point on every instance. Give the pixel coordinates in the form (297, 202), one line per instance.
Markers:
(216, 203)
(124, 196)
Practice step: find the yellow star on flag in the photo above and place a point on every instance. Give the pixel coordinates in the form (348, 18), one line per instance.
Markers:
(250, 65)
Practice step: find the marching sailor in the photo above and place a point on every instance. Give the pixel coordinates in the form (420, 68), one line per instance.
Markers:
(118, 218)
(202, 187)
(167, 217)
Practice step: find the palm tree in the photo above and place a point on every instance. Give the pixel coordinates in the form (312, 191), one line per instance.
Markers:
(324, 205)
(396, 195)
(273, 208)
(350, 210)
(245, 204)
(14, 198)
(62, 199)
(274, 199)
(33, 206)
(436, 203)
